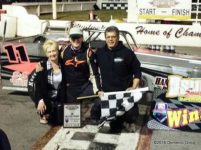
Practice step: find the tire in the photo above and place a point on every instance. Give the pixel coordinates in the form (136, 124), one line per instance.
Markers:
(143, 82)
(147, 96)
(31, 85)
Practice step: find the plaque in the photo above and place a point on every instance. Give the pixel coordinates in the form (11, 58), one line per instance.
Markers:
(72, 115)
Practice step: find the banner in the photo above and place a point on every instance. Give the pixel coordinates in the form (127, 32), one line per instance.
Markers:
(160, 9)
(173, 114)
(186, 89)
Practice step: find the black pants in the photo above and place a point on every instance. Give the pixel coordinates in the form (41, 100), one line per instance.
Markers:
(55, 109)
(4, 142)
(96, 109)
(56, 115)
(74, 91)
(129, 117)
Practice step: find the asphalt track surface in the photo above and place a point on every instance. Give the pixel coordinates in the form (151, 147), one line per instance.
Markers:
(19, 120)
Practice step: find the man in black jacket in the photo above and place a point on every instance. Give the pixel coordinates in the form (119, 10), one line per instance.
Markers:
(119, 70)
(80, 79)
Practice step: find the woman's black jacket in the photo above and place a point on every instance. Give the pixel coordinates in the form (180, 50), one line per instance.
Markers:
(42, 86)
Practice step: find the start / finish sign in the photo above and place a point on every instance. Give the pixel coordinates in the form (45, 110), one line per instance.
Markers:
(161, 9)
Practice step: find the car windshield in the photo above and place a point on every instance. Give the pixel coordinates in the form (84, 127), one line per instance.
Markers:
(97, 38)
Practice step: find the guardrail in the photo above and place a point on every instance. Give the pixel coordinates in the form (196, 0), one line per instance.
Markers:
(42, 8)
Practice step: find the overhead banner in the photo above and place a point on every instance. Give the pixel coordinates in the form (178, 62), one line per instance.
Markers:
(161, 9)
(153, 34)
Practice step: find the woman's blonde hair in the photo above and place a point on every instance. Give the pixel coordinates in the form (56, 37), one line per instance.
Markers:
(50, 43)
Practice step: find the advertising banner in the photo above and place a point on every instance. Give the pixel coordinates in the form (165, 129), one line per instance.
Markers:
(178, 106)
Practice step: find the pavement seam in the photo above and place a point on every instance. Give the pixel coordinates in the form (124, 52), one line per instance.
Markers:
(42, 141)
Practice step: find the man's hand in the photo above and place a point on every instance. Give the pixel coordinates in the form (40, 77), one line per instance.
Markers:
(41, 107)
(135, 85)
(100, 93)
(130, 88)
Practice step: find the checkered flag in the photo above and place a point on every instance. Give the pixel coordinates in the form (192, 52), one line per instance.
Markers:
(115, 104)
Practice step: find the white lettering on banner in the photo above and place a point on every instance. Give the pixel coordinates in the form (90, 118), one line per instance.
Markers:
(180, 12)
(150, 11)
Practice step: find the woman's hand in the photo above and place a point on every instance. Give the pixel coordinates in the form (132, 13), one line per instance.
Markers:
(39, 67)
(41, 107)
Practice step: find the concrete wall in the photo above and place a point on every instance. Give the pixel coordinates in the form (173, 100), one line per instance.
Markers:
(41, 8)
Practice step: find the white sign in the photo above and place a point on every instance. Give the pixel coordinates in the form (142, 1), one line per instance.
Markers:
(160, 9)
(158, 34)
(186, 89)
(72, 115)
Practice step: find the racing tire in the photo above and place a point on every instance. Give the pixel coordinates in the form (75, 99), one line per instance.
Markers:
(147, 96)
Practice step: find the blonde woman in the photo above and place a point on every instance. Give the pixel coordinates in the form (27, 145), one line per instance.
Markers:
(50, 92)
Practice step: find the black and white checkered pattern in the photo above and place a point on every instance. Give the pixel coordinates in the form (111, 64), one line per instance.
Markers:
(117, 103)
(90, 137)
(159, 96)
(115, 6)
(164, 48)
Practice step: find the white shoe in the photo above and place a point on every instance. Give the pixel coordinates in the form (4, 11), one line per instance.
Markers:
(44, 119)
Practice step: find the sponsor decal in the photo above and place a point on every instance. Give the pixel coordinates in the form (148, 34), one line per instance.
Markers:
(89, 26)
(186, 89)
(118, 60)
(19, 79)
(176, 117)
(182, 117)
(19, 63)
(32, 80)
(161, 82)
(16, 54)
(160, 111)
(74, 62)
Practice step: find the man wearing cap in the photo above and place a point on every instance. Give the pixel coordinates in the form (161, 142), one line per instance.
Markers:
(79, 76)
